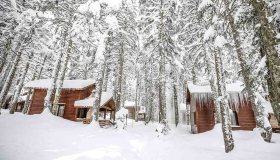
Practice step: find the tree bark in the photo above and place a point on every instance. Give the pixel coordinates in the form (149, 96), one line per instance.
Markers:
(226, 126)
(61, 78)
(4, 76)
(120, 78)
(245, 71)
(176, 105)
(268, 48)
(42, 67)
(29, 93)
(98, 95)
(20, 85)
(9, 79)
(4, 56)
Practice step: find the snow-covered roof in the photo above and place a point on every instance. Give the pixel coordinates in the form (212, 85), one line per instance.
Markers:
(129, 104)
(67, 84)
(22, 98)
(122, 112)
(232, 87)
(88, 102)
(142, 109)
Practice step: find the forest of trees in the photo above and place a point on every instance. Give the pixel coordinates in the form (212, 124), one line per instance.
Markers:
(145, 51)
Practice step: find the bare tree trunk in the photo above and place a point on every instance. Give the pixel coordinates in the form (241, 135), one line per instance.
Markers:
(4, 75)
(61, 78)
(20, 85)
(105, 82)
(120, 78)
(213, 86)
(42, 67)
(226, 126)
(27, 100)
(245, 71)
(9, 79)
(99, 92)
(268, 47)
(136, 98)
(176, 105)
(51, 89)
(4, 56)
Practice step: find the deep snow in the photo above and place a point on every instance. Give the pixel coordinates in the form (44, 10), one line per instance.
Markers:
(45, 137)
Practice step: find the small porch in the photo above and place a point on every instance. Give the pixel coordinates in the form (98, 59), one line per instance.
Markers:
(106, 113)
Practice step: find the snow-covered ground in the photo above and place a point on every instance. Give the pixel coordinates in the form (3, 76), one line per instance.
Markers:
(45, 137)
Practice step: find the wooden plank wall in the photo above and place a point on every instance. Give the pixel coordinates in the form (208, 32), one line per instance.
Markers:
(67, 96)
(205, 120)
(246, 117)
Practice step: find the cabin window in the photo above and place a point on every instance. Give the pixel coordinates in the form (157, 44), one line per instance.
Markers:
(61, 107)
(82, 112)
(233, 118)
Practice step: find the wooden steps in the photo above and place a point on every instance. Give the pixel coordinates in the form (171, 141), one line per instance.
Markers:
(104, 123)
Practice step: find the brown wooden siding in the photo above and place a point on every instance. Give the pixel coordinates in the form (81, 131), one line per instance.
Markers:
(205, 121)
(67, 96)
(246, 118)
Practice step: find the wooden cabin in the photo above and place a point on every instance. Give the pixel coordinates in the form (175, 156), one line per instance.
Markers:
(72, 90)
(20, 103)
(202, 111)
(106, 110)
(132, 109)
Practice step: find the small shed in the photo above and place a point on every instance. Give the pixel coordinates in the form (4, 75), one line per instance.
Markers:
(86, 106)
(202, 110)
(132, 109)
(72, 90)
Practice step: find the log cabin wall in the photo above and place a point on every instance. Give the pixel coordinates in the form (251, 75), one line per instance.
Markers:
(245, 116)
(67, 96)
(131, 112)
(205, 120)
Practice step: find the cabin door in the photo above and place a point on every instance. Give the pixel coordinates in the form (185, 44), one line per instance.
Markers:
(61, 108)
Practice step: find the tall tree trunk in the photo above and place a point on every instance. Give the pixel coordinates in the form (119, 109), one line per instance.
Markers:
(4, 56)
(226, 126)
(212, 80)
(106, 76)
(9, 79)
(61, 78)
(268, 48)
(245, 71)
(137, 106)
(4, 75)
(176, 105)
(98, 95)
(42, 67)
(29, 92)
(20, 85)
(51, 89)
(120, 78)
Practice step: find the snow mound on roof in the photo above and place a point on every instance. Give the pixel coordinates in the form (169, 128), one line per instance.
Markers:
(129, 104)
(88, 102)
(142, 109)
(22, 98)
(67, 84)
(235, 87)
(122, 112)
